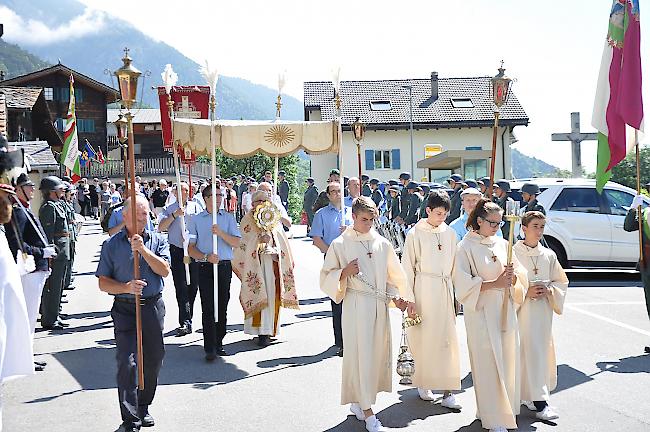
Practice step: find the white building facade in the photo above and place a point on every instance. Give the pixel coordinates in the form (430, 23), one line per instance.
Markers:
(452, 128)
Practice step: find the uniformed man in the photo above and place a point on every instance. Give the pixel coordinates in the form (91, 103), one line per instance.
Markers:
(423, 205)
(366, 190)
(405, 179)
(529, 192)
(283, 189)
(375, 194)
(31, 240)
(68, 204)
(631, 224)
(394, 209)
(308, 200)
(54, 219)
(185, 290)
(201, 230)
(484, 184)
(115, 273)
(455, 183)
(501, 197)
(414, 204)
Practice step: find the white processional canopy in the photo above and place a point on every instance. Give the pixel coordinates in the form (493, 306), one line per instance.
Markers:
(244, 138)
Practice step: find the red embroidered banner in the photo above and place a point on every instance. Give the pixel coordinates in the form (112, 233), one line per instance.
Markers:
(189, 102)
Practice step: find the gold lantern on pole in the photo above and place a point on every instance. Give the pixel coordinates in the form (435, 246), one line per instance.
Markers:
(358, 130)
(500, 91)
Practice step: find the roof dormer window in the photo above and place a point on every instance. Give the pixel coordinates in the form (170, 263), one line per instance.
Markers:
(380, 106)
(462, 103)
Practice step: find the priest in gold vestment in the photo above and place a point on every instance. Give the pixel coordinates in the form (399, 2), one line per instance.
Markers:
(490, 291)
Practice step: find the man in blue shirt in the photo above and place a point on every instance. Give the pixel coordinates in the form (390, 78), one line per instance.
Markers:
(115, 273)
(170, 221)
(116, 220)
(469, 198)
(326, 227)
(200, 248)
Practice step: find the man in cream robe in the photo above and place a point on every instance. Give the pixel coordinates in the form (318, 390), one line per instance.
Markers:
(367, 359)
(433, 342)
(492, 329)
(538, 366)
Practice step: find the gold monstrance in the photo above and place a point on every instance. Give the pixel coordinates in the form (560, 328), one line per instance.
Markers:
(266, 216)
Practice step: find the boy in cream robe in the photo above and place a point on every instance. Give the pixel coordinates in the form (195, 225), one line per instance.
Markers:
(548, 284)
(362, 270)
(490, 291)
(428, 261)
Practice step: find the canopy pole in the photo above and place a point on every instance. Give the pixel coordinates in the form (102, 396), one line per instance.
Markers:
(215, 210)
(275, 175)
(639, 210)
(179, 190)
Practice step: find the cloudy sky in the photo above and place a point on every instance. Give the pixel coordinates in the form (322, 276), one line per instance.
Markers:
(552, 48)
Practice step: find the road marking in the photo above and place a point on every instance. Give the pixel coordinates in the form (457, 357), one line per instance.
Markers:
(609, 320)
(605, 303)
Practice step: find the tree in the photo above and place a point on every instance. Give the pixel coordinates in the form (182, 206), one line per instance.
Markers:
(625, 172)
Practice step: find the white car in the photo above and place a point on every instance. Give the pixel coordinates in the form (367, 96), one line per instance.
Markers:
(585, 228)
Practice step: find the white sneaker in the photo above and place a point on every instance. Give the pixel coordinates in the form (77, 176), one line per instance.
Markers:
(357, 411)
(374, 425)
(426, 395)
(529, 405)
(547, 413)
(450, 402)
(499, 429)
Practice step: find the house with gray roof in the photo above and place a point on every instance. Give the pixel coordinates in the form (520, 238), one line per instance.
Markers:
(452, 120)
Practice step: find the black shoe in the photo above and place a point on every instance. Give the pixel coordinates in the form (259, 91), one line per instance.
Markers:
(183, 330)
(69, 288)
(55, 326)
(40, 363)
(264, 340)
(62, 324)
(127, 428)
(147, 420)
(647, 350)
(64, 300)
(210, 357)
(339, 351)
(221, 352)
(38, 368)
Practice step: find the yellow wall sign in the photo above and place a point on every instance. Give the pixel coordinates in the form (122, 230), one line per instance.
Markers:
(432, 150)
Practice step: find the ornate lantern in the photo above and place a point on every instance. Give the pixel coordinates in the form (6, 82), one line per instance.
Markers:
(359, 130)
(500, 87)
(127, 79)
(122, 127)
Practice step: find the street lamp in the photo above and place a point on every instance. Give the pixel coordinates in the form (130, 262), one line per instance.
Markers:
(500, 91)
(410, 89)
(127, 79)
(359, 130)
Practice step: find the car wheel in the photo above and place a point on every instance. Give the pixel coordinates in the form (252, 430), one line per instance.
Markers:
(557, 247)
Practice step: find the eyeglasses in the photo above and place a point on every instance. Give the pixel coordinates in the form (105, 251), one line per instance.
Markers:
(218, 194)
(335, 191)
(494, 224)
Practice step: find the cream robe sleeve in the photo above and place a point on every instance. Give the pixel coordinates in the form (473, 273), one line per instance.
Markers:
(331, 273)
(519, 289)
(396, 278)
(466, 281)
(558, 286)
(409, 262)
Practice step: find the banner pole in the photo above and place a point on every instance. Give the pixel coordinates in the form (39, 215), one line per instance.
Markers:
(639, 210)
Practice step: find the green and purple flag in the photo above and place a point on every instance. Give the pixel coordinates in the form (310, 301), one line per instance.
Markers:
(618, 107)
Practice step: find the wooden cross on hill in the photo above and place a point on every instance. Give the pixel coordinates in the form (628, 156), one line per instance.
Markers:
(576, 137)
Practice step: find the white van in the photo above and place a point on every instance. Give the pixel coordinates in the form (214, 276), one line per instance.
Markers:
(585, 228)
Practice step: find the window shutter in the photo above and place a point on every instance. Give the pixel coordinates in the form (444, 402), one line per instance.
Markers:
(370, 160)
(394, 156)
(79, 94)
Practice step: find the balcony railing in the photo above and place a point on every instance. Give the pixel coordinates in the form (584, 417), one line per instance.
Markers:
(150, 167)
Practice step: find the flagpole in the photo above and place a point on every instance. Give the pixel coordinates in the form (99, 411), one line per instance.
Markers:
(215, 210)
(639, 210)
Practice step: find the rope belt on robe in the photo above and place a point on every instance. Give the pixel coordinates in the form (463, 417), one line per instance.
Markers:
(374, 293)
(446, 280)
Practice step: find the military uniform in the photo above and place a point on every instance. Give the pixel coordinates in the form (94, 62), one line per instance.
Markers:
(534, 205)
(502, 202)
(309, 198)
(394, 209)
(414, 209)
(366, 190)
(54, 219)
(377, 197)
(455, 204)
(72, 227)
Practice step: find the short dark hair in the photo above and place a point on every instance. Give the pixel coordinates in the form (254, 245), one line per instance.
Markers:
(482, 209)
(438, 198)
(530, 216)
(327, 188)
(207, 191)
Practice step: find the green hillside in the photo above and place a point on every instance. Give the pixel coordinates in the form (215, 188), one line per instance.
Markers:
(15, 61)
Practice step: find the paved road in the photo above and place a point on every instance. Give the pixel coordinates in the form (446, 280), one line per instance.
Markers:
(293, 385)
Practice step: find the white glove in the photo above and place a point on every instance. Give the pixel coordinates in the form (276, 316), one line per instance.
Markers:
(637, 201)
(49, 252)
